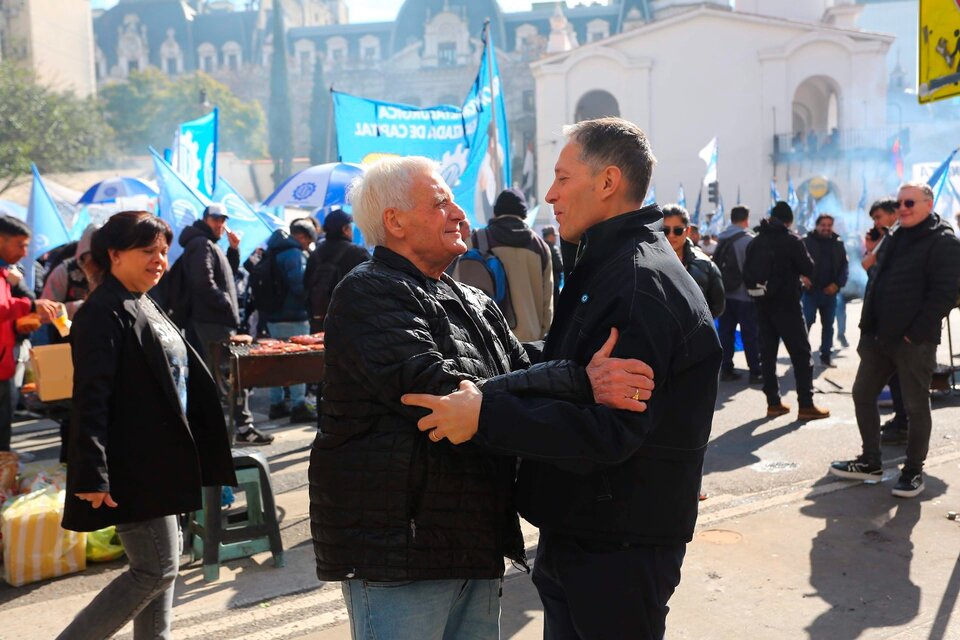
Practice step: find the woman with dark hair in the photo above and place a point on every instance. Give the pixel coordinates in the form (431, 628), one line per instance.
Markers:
(147, 429)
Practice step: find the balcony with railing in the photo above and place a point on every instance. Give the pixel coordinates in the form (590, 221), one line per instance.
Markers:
(846, 143)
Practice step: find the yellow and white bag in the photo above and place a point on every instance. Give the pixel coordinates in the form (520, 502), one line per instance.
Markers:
(35, 546)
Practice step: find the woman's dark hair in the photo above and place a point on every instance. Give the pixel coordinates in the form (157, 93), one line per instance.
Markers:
(127, 230)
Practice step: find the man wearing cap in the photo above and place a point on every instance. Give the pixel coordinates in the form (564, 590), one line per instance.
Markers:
(527, 260)
(214, 310)
(333, 258)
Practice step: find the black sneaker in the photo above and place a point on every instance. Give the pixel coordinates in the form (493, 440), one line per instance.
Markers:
(280, 410)
(304, 412)
(252, 435)
(893, 433)
(729, 375)
(909, 485)
(826, 362)
(858, 469)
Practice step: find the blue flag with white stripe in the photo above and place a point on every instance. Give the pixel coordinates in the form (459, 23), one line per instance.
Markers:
(940, 177)
(651, 196)
(46, 226)
(180, 204)
(681, 197)
(792, 198)
(774, 193)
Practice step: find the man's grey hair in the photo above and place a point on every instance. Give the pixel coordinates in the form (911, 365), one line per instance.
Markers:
(617, 142)
(386, 184)
(922, 186)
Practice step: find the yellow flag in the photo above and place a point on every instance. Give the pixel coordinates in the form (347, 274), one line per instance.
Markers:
(939, 53)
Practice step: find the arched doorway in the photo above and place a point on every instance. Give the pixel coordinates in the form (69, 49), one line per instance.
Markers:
(817, 109)
(596, 104)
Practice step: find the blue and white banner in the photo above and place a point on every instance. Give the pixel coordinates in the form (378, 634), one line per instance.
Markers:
(709, 155)
(180, 204)
(195, 152)
(792, 198)
(681, 197)
(470, 143)
(253, 228)
(46, 225)
(774, 194)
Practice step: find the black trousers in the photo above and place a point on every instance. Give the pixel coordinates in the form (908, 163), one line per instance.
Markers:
(785, 323)
(601, 591)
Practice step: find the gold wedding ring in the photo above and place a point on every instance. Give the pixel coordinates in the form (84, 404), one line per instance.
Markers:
(433, 433)
(636, 395)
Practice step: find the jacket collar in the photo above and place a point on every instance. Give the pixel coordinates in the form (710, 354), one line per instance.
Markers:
(396, 261)
(604, 238)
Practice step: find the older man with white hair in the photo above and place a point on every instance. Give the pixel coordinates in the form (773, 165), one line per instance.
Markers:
(415, 527)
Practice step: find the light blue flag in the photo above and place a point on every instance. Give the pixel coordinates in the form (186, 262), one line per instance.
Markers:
(195, 152)
(792, 198)
(681, 197)
(774, 194)
(469, 143)
(651, 196)
(46, 226)
(941, 177)
(862, 203)
(696, 211)
(244, 221)
(180, 204)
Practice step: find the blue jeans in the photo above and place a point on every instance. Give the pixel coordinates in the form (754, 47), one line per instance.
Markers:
(423, 609)
(814, 301)
(744, 313)
(841, 316)
(144, 592)
(281, 331)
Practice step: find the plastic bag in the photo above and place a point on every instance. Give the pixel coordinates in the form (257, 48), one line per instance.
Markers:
(35, 546)
(104, 545)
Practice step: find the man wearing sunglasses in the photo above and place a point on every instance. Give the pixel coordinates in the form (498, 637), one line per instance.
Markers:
(915, 285)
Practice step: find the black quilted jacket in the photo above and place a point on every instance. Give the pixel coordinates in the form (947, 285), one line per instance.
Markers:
(915, 284)
(387, 503)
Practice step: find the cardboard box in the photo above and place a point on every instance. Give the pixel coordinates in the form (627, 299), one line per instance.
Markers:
(53, 371)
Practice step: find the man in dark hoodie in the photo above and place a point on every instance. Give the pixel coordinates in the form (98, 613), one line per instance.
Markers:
(214, 310)
(914, 287)
(780, 256)
(333, 259)
(829, 276)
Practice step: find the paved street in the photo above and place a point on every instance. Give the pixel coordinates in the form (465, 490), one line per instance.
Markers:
(781, 549)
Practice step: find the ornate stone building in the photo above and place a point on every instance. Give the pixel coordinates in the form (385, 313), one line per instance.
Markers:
(427, 55)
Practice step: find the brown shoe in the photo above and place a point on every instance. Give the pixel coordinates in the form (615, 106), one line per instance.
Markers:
(812, 413)
(776, 410)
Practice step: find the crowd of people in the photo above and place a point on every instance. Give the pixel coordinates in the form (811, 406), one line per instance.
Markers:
(446, 410)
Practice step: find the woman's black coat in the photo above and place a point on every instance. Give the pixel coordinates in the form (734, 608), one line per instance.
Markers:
(129, 435)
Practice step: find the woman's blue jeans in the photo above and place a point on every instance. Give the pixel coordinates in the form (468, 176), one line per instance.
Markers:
(143, 593)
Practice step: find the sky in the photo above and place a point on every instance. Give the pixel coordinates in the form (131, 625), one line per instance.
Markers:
(364, 10)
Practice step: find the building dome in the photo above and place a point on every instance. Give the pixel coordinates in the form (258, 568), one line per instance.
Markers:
(414, 15)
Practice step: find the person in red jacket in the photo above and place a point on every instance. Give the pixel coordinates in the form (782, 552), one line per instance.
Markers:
(14, 242)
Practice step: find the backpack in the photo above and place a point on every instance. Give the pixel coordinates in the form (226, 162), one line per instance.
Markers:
(172, 294)
(725, 257)
(759, 269)
(480, 268)
(267, 284)
(324, 277)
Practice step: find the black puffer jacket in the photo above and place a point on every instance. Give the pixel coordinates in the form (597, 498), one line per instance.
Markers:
(707, 276)
(828, 269)
(790, 261)
(386, 502)
(915, 284)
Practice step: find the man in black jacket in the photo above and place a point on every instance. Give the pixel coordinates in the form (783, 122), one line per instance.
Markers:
(829, 276)
(913, 289)
(214, 310)
(780, 253)
(333, 258)
(414, 527)
(613, 492)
